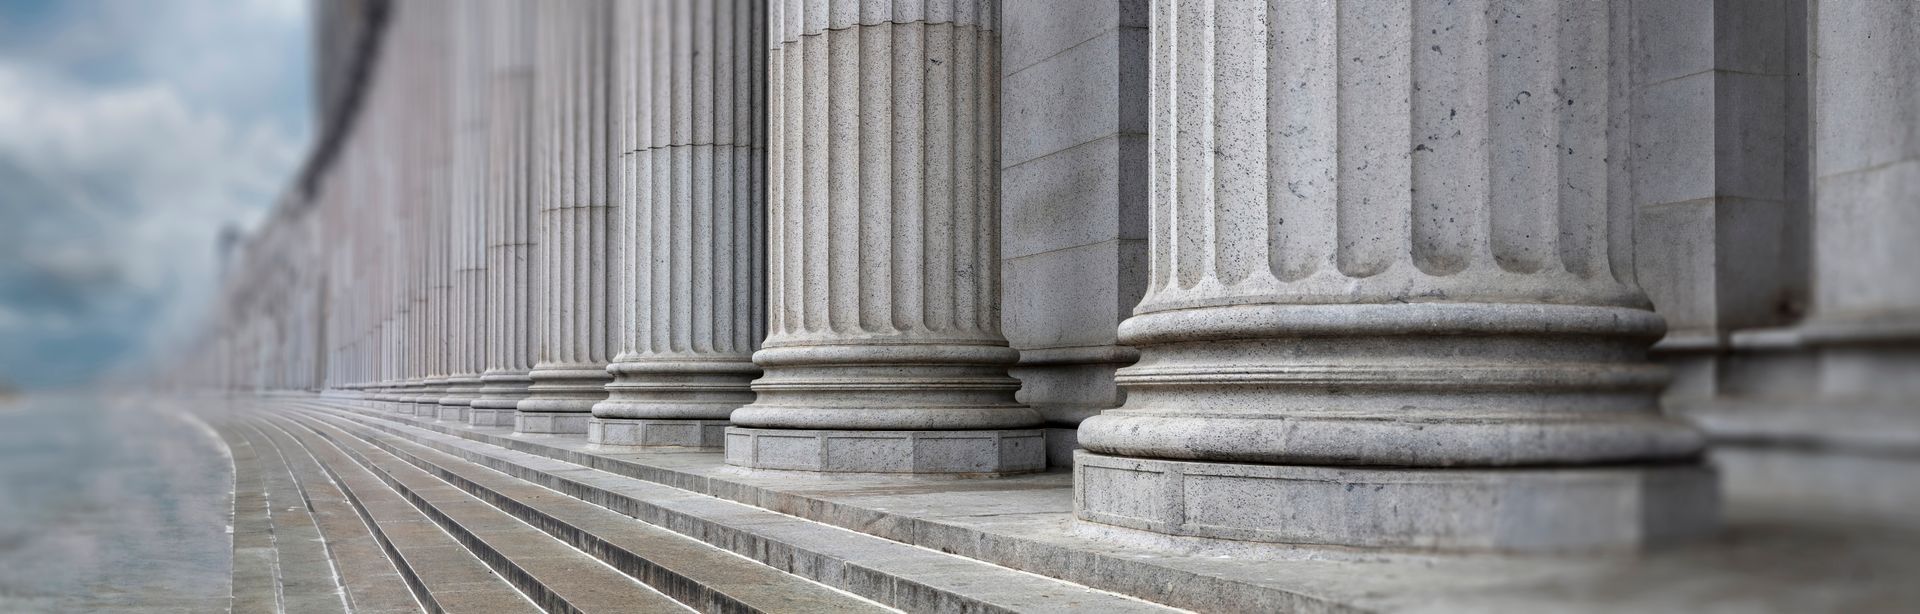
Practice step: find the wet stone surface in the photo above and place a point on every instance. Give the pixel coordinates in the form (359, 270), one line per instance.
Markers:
(111, 506)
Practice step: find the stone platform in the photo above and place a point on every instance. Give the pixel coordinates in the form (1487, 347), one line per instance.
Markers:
(1012, 543)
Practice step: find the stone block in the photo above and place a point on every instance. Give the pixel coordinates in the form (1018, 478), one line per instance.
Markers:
(453, 413)
(1749, 136)
(551, 423)
(991, 452)
(1066, 199)
(490, 417)
(1071, 297)
(1035, 31)
(1066, 100)
(1676, 39)
(1674, 131)
(1605, 508)
(630, 432)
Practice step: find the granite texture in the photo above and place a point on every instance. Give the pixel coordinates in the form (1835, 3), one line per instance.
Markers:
(884, 287)
(1351, 271)
(692, 190)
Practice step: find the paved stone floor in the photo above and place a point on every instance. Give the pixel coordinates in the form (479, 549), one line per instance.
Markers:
(111, 506)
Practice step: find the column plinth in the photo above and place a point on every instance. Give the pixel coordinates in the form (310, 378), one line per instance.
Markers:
(1391, 299)
(884, 270)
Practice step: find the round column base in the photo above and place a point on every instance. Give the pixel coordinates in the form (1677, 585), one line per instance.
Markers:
(551, 422)
(977, 452)
(649, 432)
(1605, 508)
(481, 416)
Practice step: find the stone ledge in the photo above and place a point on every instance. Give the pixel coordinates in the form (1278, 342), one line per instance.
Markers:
(1495, 510)
(1768, 559)
(986, 452)
(644, 432)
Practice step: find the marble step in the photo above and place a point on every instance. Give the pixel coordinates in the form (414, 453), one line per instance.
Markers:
(441, 572)
(306, 578)
(706, 577)
(373, 585)
(553, 574)
(899, 575)
(255, 566)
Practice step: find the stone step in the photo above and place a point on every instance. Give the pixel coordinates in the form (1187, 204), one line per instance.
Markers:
(255, 577)
(441, 572)
(706, 577)
(372, 583)
(554, 575)
(303, 570)
(892, 573)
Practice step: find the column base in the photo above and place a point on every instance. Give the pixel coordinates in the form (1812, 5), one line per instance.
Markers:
(490, 417)
(646, 432)
(551, 422)
(1608, 508)
(989, 452)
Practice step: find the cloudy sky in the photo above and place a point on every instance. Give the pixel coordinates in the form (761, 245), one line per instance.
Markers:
(131, 132)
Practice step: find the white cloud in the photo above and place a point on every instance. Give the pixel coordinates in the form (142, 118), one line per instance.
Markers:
(199, 125)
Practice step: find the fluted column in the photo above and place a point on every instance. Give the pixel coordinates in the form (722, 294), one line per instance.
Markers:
(1391, 299)
(436, 125)
(579, 238)
(466, 324)
(883, 195)
(511, 218)
(687, 83)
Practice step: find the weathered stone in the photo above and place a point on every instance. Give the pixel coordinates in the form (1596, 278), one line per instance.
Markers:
(884, 288)
(1464, 304)
(692, 198)
(579, 314)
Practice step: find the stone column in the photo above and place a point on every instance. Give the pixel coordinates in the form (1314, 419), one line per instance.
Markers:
(579, 239)
(884, 352)
(435, 109)
(469, 97)
(687, 79)
(1391, 299)
(510, 216)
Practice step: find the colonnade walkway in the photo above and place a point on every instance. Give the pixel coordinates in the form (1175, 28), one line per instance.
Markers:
(344, 506)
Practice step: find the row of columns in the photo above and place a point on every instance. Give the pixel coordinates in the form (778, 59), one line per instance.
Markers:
(1391, 297)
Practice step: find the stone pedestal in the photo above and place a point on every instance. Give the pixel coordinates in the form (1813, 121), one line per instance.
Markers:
(1364, 292)
(574, 155)
(883, 207)
(692, 211)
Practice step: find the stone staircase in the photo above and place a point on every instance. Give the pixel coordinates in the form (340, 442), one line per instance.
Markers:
(343, 508)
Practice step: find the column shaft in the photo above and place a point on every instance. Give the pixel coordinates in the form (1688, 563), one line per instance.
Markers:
(579, 236)
(883, 196)
(511, 217)
(1388, 235)
(688, 82)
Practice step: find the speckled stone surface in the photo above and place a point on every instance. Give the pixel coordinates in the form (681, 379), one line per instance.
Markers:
(965, 452)
(643, 432)
(1383, 240)
(884, 288)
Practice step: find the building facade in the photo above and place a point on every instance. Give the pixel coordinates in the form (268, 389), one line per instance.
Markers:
(1534, 275)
